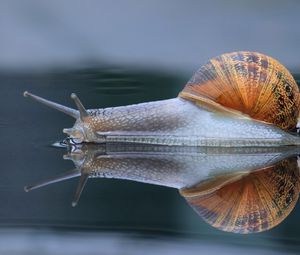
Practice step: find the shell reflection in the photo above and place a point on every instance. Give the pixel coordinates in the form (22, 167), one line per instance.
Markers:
(254, 203)
(240, 190)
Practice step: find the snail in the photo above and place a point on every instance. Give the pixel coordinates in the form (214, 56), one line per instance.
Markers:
(260, 185)
(236, 99)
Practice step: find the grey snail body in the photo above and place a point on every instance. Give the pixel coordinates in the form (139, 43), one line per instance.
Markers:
(237, 99)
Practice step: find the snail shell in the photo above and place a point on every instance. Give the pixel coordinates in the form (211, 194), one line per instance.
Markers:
(249, 82)
(256, 202)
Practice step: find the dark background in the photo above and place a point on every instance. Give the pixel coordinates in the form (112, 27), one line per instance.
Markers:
(116, 53)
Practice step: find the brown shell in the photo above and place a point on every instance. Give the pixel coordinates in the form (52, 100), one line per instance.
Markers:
(256, 202)
(249, 82)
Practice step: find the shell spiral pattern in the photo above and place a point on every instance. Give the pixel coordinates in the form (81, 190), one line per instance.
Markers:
(251, 83)
(255, 203)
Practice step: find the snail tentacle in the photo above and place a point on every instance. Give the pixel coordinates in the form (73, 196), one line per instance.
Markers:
(82, 111)
(81, 184)
(62, 177)
(69, 111)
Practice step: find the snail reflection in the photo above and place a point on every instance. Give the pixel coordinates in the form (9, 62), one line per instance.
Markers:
(241, 190)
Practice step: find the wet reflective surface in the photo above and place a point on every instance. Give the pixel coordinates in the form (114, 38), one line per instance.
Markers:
(45, 48)
(109, 207)
(240, 190)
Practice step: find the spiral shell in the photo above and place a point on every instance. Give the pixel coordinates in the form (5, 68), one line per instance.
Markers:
(255, 202)
(249, 82)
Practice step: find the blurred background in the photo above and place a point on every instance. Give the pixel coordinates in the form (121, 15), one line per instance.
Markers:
(116, 53)
(168, 34)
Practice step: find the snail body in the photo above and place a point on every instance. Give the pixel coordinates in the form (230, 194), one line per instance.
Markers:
(236, 99)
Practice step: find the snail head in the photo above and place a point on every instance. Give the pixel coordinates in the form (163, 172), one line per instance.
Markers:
(83, 128)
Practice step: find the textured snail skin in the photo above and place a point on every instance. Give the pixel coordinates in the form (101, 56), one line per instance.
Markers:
(172, 166)
(229, 102)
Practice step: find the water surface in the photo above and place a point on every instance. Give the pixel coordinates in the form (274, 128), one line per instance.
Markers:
(107, 205)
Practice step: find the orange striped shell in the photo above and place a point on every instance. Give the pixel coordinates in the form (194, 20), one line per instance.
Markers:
(254, 203)
(249, 82)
